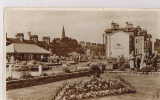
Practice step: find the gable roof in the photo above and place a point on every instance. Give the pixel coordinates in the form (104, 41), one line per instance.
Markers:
(25, 48)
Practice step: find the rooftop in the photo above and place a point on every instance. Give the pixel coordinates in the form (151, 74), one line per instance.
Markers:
(25, 48)
(128, 28)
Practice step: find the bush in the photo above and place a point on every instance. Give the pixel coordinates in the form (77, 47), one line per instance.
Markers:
(26, 76)
(67, 70)
(44, 74)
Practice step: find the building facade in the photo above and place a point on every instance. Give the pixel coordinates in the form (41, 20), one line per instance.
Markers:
(122, 41)
(26, 52)
(93, 50)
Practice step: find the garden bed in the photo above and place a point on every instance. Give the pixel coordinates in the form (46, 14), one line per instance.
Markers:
(93, 88)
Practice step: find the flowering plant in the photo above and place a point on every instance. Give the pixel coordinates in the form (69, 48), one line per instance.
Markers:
(92, 88)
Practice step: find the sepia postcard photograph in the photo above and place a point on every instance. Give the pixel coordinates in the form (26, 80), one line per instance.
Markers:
(82, 54)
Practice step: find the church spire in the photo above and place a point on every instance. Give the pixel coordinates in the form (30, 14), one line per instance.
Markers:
(63, 33)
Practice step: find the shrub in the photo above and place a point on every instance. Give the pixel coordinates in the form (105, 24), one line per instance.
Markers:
(26, 76)
(66, 69)
(44, 74)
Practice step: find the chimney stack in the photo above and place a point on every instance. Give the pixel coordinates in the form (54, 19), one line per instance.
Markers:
(46, 39)
(114, 25)
(34, 38)
(20, 36)
(129, 25)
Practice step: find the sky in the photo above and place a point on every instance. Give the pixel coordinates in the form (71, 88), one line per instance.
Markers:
(83, 25)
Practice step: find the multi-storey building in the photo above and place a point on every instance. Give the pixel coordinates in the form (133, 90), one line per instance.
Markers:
(122, 41)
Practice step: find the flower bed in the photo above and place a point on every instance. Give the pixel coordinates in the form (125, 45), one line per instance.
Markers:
(93, 88)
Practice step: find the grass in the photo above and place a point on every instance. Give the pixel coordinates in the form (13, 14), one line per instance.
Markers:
(147, 86)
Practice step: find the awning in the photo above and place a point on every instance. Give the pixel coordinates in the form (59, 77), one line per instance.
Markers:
(25, 48)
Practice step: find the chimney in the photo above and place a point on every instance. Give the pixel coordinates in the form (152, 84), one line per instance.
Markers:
(114, 25)
(46, 39)
(20, 36)
(139, 29)
(129, 25)
(34, 38)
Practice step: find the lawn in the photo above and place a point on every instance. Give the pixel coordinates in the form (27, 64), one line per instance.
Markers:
(147, 86)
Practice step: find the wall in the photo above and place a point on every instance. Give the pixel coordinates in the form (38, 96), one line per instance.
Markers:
(119, 42)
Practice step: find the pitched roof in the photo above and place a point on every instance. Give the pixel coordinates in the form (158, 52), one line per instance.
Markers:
(25, 48)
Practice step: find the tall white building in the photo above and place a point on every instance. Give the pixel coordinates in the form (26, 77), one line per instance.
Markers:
(117, 44)
(121, 41)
